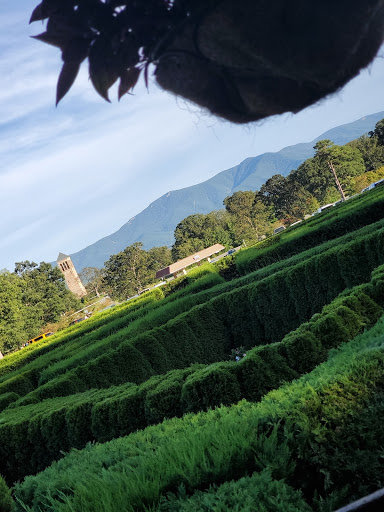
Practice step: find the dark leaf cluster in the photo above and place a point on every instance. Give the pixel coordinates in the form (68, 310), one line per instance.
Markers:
(120, 38)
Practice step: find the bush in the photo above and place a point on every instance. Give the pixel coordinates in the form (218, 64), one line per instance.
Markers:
(7, 398)
(164, 400)
(113, 412)
(210, 387)
(319, 433)
(257, 492)
(336, 222)
(6, 502)
(261, 370)
(302, 350)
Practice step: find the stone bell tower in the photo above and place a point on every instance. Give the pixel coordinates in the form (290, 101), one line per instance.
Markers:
(72, 278)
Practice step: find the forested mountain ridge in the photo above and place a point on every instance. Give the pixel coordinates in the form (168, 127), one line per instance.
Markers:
(155, 225)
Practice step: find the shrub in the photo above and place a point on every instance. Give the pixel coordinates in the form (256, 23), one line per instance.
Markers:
(257, 492)
(164, 400)
(261, 370)
(8, 398)
(302, 350)
(110, 413)
(6, 502)
(301, 432)
(210, 387)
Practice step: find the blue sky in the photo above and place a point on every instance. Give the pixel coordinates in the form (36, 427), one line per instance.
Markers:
(73, 174)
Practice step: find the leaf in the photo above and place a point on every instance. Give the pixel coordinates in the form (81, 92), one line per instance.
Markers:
(68, 75)
(39, 13)
(102, 72)
(45, 9)
(146, 75)
(102, 79)
(75, 50)
(54, 40)
(128, 80)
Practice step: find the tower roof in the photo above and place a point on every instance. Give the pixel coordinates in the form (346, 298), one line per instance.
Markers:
(62, 256)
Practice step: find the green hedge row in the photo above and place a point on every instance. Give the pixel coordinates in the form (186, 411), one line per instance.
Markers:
(259, 492)
(77, 333)
(6, 502)
(81, 349)
(88, 346)
(104, 415)
(303, 433)
(337, 221)
(202, 273)
(255, 314)
(198, 336)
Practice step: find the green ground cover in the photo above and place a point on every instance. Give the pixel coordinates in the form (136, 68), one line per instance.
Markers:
(77, 333)
(302, 433)
(308, 445)
(68, 350)
(207, 332)
(70, 345)
(106, 414)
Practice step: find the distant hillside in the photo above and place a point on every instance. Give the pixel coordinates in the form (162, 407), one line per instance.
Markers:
(155, 225)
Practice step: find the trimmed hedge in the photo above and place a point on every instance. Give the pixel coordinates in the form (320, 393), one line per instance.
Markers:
(199, 336)
(269, 309)
(337, 221)
(77, 333)
(88, 347)
(107, 414)
(302, 433)
(8, 398)
(259, 492)
(6, 502)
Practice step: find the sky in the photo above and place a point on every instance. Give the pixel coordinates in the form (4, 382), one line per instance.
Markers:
(73, 174)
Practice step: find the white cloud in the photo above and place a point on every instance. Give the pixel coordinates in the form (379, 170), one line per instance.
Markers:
(71, 175)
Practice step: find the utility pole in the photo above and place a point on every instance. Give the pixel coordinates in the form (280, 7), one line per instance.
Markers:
(330, 164)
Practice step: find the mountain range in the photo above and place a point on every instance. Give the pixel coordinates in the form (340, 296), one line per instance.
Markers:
(155, 225)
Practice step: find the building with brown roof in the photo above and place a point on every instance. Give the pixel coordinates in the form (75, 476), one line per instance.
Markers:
(181, 265)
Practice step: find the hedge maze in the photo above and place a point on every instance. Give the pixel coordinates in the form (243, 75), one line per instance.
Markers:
(144, 408)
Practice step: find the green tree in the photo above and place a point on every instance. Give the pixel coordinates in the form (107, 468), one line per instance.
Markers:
(93, 279)
(127, 272)
(299, 202)
(158, 258)
(199, 231)
(250, 217)
(371, 151)
(378, 132)
(287, 196)
(316, 176)
(31, 297)
(11, 311)
(45, 296)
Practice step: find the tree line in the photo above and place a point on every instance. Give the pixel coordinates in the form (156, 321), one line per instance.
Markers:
(248, 216)
(34, 295)
(31, 297)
